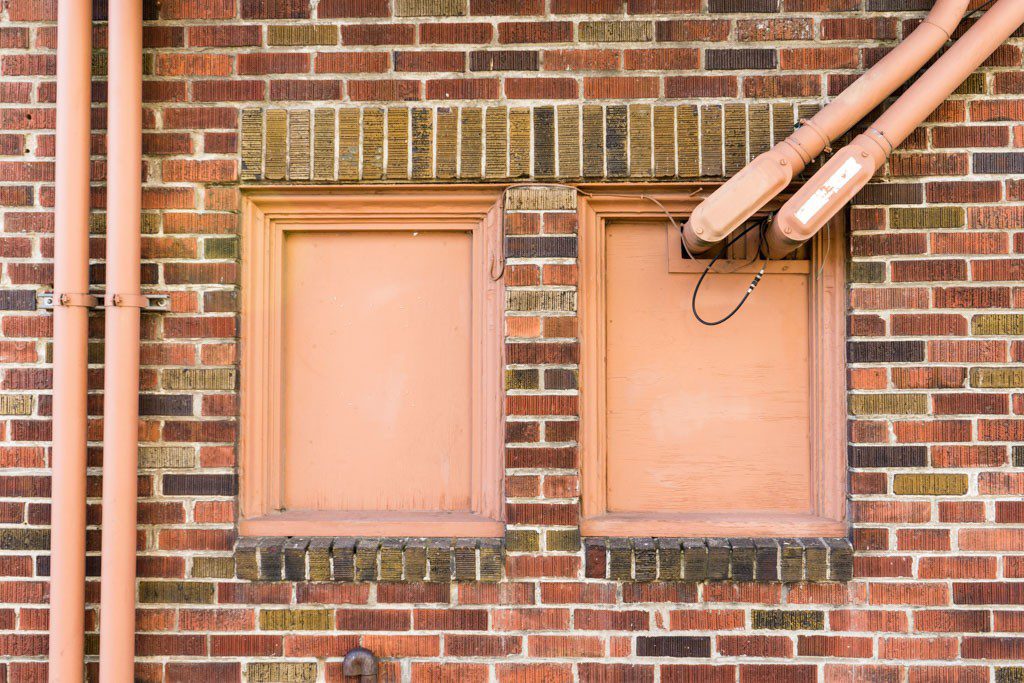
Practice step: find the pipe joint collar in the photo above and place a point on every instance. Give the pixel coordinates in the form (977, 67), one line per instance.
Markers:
(825, 140)
(879, 138)
(795, 145)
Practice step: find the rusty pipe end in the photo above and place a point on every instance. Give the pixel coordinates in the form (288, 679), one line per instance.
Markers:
(360, 662)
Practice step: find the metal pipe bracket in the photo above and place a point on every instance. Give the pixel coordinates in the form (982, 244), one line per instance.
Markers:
(67, 299)
(147, 302)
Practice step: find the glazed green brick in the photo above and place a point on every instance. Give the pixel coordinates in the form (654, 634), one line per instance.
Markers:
(366, 560)
(415, 557)
(997, 378)
(620, 559)
(220, 248)
(563, 540)
(540, 300)
(281, 672)
(888, 404)
(319, 555)
(166, 457)
(213, 567)
(522, 379)
(866, 272)
(302, 34)
(15, 404)
(522, 541)
(391, 565)
(223, 379)
(616, 31)
(430, 8)
(541, 199)
(788, 620)
(296, 620)
(1010, 674)
(464, 559)
(150, 223)
(187, 592)
(439, 560)
(929, 484)
(491, 559)
(247, 558)
(99, 63)
(998, 324)
(97, 223)
(927, 217)
(24, 538)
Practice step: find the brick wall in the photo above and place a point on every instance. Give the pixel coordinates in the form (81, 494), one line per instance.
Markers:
(935, 412)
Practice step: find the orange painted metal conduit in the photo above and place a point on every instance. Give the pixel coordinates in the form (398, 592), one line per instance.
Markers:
(121, 355)
(765, 177)
(831, 188)
(70, 338)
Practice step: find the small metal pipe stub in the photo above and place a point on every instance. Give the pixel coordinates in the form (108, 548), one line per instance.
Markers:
(362, 663)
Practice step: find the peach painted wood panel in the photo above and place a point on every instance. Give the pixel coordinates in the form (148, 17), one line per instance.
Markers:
(703, 419)
(671, 420)
(371, 362)
(378, 333)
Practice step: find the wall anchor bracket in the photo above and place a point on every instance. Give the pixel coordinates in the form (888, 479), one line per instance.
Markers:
(147, 302)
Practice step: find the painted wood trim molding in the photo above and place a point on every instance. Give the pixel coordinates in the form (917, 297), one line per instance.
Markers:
(827, 302)
(268, 214)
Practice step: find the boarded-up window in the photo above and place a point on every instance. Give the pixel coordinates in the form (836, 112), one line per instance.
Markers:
(371, 371)
(694, 430)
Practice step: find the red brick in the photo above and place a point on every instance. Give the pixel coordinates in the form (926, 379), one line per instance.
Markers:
(351, 62)
(462, 88)
(917, 648)
(377, 34)
(273, 63)
(535, 32)
(540, 88)
(577, 60)
(383, 90)
(529, 673)
(441, 672)
(530, 619)
(455, 33)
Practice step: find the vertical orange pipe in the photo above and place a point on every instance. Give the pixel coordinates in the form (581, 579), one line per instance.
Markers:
(70, 335)
(121, 356)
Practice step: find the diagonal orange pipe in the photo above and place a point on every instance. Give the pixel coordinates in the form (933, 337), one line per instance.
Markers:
(70, 336)
(765, 177)
(121, 353)
(832, 187)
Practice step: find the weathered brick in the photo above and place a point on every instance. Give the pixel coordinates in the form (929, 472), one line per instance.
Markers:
(930, 484)
(296, 620)
(788, 620)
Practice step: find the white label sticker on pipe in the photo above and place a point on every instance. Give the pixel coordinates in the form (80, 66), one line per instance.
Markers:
(832, 186)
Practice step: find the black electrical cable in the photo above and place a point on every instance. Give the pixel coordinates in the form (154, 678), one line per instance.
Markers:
(760, 225)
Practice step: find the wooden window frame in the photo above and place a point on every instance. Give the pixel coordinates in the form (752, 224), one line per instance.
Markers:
(267, 214)
(828, 380)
